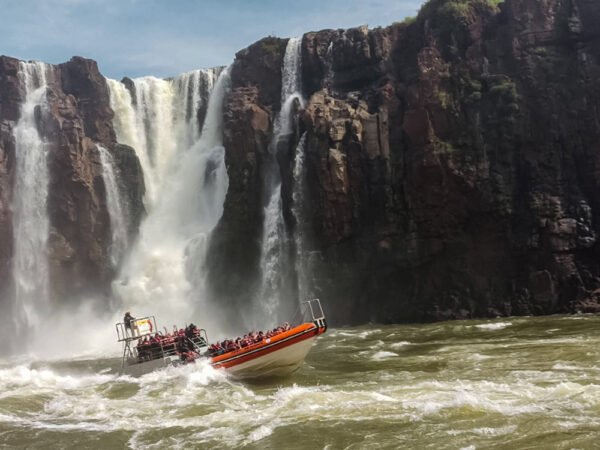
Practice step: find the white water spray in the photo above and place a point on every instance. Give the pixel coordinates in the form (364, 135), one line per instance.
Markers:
(188, 196)
(116, 212)
(29, 205)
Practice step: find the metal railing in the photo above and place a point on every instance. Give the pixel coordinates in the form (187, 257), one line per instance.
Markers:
(309, 311)
(314, 307)
(135, 330)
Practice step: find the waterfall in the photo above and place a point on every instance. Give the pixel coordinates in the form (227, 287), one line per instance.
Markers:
(271, 260)
(118, 221)
(274, 257)
(124, 121)
(29, 203)
(189, 181)
(291, 87)
(298, 213)
(160, 122)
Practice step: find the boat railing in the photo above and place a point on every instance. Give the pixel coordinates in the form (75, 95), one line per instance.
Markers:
(135, 329)
(312, 309)
(199, 341)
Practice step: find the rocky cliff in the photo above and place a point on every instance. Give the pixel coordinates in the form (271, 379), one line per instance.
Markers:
(76, 117)
(452, 163)
(451, 166)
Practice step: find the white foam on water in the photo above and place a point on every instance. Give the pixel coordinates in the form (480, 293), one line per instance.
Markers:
(398, 345)
(25, 380)
(568, 367)
(478, 357)
(260, 433)
(493, 326)
(355, 334)
(381, 355)
(501, 431)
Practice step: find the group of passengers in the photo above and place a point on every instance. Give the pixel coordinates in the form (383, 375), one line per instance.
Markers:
(253, 337)
(179, 342)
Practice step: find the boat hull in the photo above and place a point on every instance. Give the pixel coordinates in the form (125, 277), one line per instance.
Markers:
(274, 357)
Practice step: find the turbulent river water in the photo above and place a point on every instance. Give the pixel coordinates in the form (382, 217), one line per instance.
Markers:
(500, 384)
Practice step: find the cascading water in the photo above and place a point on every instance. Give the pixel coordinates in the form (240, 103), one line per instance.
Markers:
(291, 86)
(298, 213)
(29, 204)
(116, 212)
(189, 181)
(273, 253)
(271, 259)
(161, 121)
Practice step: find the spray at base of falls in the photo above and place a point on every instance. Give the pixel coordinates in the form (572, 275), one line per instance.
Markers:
(187, 202)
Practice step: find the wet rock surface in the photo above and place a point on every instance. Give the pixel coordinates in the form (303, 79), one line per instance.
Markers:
(451, 162)
(77, 116)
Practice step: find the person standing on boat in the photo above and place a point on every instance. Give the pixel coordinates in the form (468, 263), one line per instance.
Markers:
(129, 322)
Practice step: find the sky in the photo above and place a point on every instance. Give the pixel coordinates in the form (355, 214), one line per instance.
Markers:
(166, 37)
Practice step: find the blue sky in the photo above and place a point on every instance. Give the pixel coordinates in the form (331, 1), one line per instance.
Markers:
(166, 37)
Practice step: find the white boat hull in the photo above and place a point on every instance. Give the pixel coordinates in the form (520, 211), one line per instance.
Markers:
(277, 363)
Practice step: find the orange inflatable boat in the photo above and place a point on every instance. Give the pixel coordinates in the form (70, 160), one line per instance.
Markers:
(146, 349)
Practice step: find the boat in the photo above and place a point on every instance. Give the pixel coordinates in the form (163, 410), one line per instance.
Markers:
(145, 348)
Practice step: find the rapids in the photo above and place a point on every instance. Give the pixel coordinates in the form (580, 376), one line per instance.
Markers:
(506, 383)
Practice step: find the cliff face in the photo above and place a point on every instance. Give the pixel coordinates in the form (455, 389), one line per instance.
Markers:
(451, 166)
(452, 163)
(77, 116)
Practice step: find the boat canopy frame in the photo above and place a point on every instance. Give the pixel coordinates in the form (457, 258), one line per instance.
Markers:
(312, 308)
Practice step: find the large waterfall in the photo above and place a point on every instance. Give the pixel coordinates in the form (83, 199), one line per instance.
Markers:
(186, 178)
(274, 253)
(114, 204)
(29, 204)
(160, 121)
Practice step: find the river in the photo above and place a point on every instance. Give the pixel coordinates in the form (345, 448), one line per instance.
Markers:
(499, 384)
